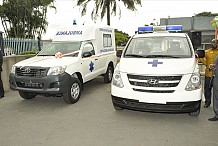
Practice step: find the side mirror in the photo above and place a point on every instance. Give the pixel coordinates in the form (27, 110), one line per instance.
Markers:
(87, 54)
(200, 53)
(123, 44)
(119, 53)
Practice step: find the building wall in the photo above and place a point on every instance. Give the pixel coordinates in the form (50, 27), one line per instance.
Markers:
(8, 62)
(189, 24)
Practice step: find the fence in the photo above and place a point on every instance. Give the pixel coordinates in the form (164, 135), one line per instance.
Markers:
(15, 46)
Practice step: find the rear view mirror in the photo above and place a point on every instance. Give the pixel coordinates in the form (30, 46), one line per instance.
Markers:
(87, 54)
(119, 53)
(200, 53)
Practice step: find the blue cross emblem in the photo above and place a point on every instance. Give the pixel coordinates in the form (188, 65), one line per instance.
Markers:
(91, 66)
(154, 63)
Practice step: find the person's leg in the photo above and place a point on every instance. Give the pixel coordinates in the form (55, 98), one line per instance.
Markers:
(207, 92)
(215, 105)
(2, 92)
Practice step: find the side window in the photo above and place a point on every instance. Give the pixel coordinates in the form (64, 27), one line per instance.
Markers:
(89, 48)
(107, 41)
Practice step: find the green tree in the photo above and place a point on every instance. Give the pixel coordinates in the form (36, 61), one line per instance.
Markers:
(206, 14)
(121, 38)
(107, 7)
(25, 18)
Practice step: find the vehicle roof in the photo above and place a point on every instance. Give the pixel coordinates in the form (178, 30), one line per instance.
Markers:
(160, 34)
(80, 32)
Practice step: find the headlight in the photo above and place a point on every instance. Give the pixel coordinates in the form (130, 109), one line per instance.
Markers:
(117, 80)
(194, 82)
(13, 69)
(56, 70)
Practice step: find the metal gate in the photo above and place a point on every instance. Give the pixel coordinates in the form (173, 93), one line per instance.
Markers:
(15, 46)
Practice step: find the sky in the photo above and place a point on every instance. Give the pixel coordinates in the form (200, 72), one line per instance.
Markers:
(67, 11)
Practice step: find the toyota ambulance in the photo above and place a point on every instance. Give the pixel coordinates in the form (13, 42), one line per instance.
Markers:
(158, 72)
(76, 55)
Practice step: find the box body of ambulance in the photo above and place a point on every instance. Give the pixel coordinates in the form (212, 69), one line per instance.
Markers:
(76, 55)
(158, 72)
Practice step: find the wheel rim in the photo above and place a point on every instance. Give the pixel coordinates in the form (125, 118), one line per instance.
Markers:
(75, 90)
(110, 74)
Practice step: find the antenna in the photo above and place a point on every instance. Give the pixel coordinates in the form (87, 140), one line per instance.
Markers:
(84, 22)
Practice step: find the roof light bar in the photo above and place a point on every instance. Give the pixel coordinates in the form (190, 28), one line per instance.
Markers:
(174, 27)
(159, 28)
(145, 29)
(169, 28)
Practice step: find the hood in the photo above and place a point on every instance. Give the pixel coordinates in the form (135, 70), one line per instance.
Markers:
(157, 65)
(47, 61)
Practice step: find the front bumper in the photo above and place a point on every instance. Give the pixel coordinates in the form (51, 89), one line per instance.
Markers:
(53, 84)
(169, 107)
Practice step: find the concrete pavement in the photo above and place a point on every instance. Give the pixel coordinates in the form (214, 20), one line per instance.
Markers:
(49, 121)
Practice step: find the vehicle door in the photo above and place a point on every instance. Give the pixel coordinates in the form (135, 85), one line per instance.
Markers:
(90, 62)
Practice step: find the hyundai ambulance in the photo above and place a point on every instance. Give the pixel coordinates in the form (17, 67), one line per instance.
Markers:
(76, 55)
(158, 72)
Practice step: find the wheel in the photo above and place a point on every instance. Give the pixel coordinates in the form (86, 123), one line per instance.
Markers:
(73, 92)
(195, 113)
(108, 75)
(27, 95)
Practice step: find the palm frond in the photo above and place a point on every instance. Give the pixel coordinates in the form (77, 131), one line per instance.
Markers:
(105, 6)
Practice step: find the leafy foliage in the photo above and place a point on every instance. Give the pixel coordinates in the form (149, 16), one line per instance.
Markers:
(206, 14)
(25, 18)
(106, 6)
(28, 52)
(121, 38)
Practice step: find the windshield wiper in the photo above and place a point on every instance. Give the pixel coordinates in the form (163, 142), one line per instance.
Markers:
(161, 56)
(151, 56)
(135, 55)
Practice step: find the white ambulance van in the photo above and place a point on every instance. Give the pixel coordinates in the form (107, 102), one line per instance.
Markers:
(76, 55)
(158, 72)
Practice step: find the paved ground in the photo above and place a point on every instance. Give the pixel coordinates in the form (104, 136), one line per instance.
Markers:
(49, 121)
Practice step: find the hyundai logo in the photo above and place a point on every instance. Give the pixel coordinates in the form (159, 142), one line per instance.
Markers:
(27, 70)
(153, 81)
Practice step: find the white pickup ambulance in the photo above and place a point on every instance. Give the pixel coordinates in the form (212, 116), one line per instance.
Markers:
(76, 55)
(158, 72)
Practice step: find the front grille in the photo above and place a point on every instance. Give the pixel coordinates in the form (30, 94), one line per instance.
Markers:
(146, 84)
(31, 71)
(155, 82)
(30, 85)
(154, 91)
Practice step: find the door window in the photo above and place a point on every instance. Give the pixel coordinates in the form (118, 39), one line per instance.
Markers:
(89, 48)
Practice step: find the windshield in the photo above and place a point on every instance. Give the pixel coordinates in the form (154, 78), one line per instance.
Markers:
(66, 48)
(151, 47)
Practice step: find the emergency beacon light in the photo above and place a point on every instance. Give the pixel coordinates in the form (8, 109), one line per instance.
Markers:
(167, 28)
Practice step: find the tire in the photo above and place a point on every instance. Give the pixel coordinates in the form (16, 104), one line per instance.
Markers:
(109, 74)
(195, 113)
(27, 95)
(73, 92)
(117, 108)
